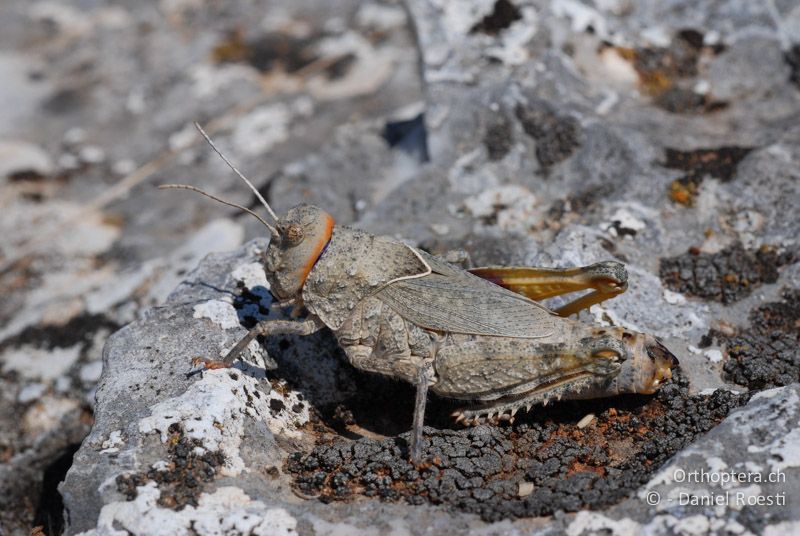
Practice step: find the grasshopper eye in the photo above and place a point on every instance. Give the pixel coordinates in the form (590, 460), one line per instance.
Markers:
(609, 348)
(293, 234)
(612, 355)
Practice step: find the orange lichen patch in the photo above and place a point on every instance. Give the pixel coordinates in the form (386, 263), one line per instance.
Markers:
(665, 73)
(174, 438)
(234, 49)
(655, 82)
(279, 387)
(683, 194)
(578, 467)
(733, 278)
(655, 67)
(626, 53)
(115, 220)
(267, 53)
(720, 163)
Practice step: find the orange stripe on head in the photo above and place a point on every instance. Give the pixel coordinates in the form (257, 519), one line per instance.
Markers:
(322, 241)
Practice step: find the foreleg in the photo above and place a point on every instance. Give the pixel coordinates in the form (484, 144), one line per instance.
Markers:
(266, 328)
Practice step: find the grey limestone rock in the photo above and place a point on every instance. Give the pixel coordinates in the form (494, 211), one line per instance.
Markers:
(662, 134)
(739, 479)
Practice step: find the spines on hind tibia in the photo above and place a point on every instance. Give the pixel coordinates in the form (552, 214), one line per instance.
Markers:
(494, 413)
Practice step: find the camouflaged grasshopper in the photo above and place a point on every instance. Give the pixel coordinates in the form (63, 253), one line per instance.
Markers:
(476, 335)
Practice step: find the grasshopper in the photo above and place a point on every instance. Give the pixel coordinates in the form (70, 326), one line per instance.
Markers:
(476, 335)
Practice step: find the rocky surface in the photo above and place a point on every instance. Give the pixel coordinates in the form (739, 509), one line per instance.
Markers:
(711, 488)
(552, 462)
(272, 443)
(97, 107)
(555, 133)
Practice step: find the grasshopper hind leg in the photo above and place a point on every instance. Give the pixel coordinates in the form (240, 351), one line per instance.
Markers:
(605, 280)
(496, 412)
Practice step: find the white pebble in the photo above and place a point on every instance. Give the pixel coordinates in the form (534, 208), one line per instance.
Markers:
(31, 392)
(63, 384)
(586, 421)
(90, 372)
(20, 156)
(92, 154)
(123, 167)
(440, 229)
(74, 136)
(68, 162)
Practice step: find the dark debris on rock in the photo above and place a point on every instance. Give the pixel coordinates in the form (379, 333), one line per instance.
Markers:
(726, 276)
(481, 469)
(768, 354)
(792, 57)
(79, 330)
(181, 482)
(680, 100)
(720, 163)
(502, 16)
(499, 138)
(557, 136)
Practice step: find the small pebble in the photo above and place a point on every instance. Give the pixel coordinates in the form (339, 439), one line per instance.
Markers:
(74, 136)
(714, 355)
(586, 421)
(90, 372)
(31, 392)
(20, 157)
(63, 384)
(525, 489)
(440, 229)
(68, 162)
(92, 154)
(123, 167)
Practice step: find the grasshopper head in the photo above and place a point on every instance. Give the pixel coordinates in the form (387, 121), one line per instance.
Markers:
(302, 236)
(298, 239)
(649, 366)
(655, 364)
(624, 361)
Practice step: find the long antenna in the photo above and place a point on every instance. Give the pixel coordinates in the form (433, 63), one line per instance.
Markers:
(239, 173)
(272, 229)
